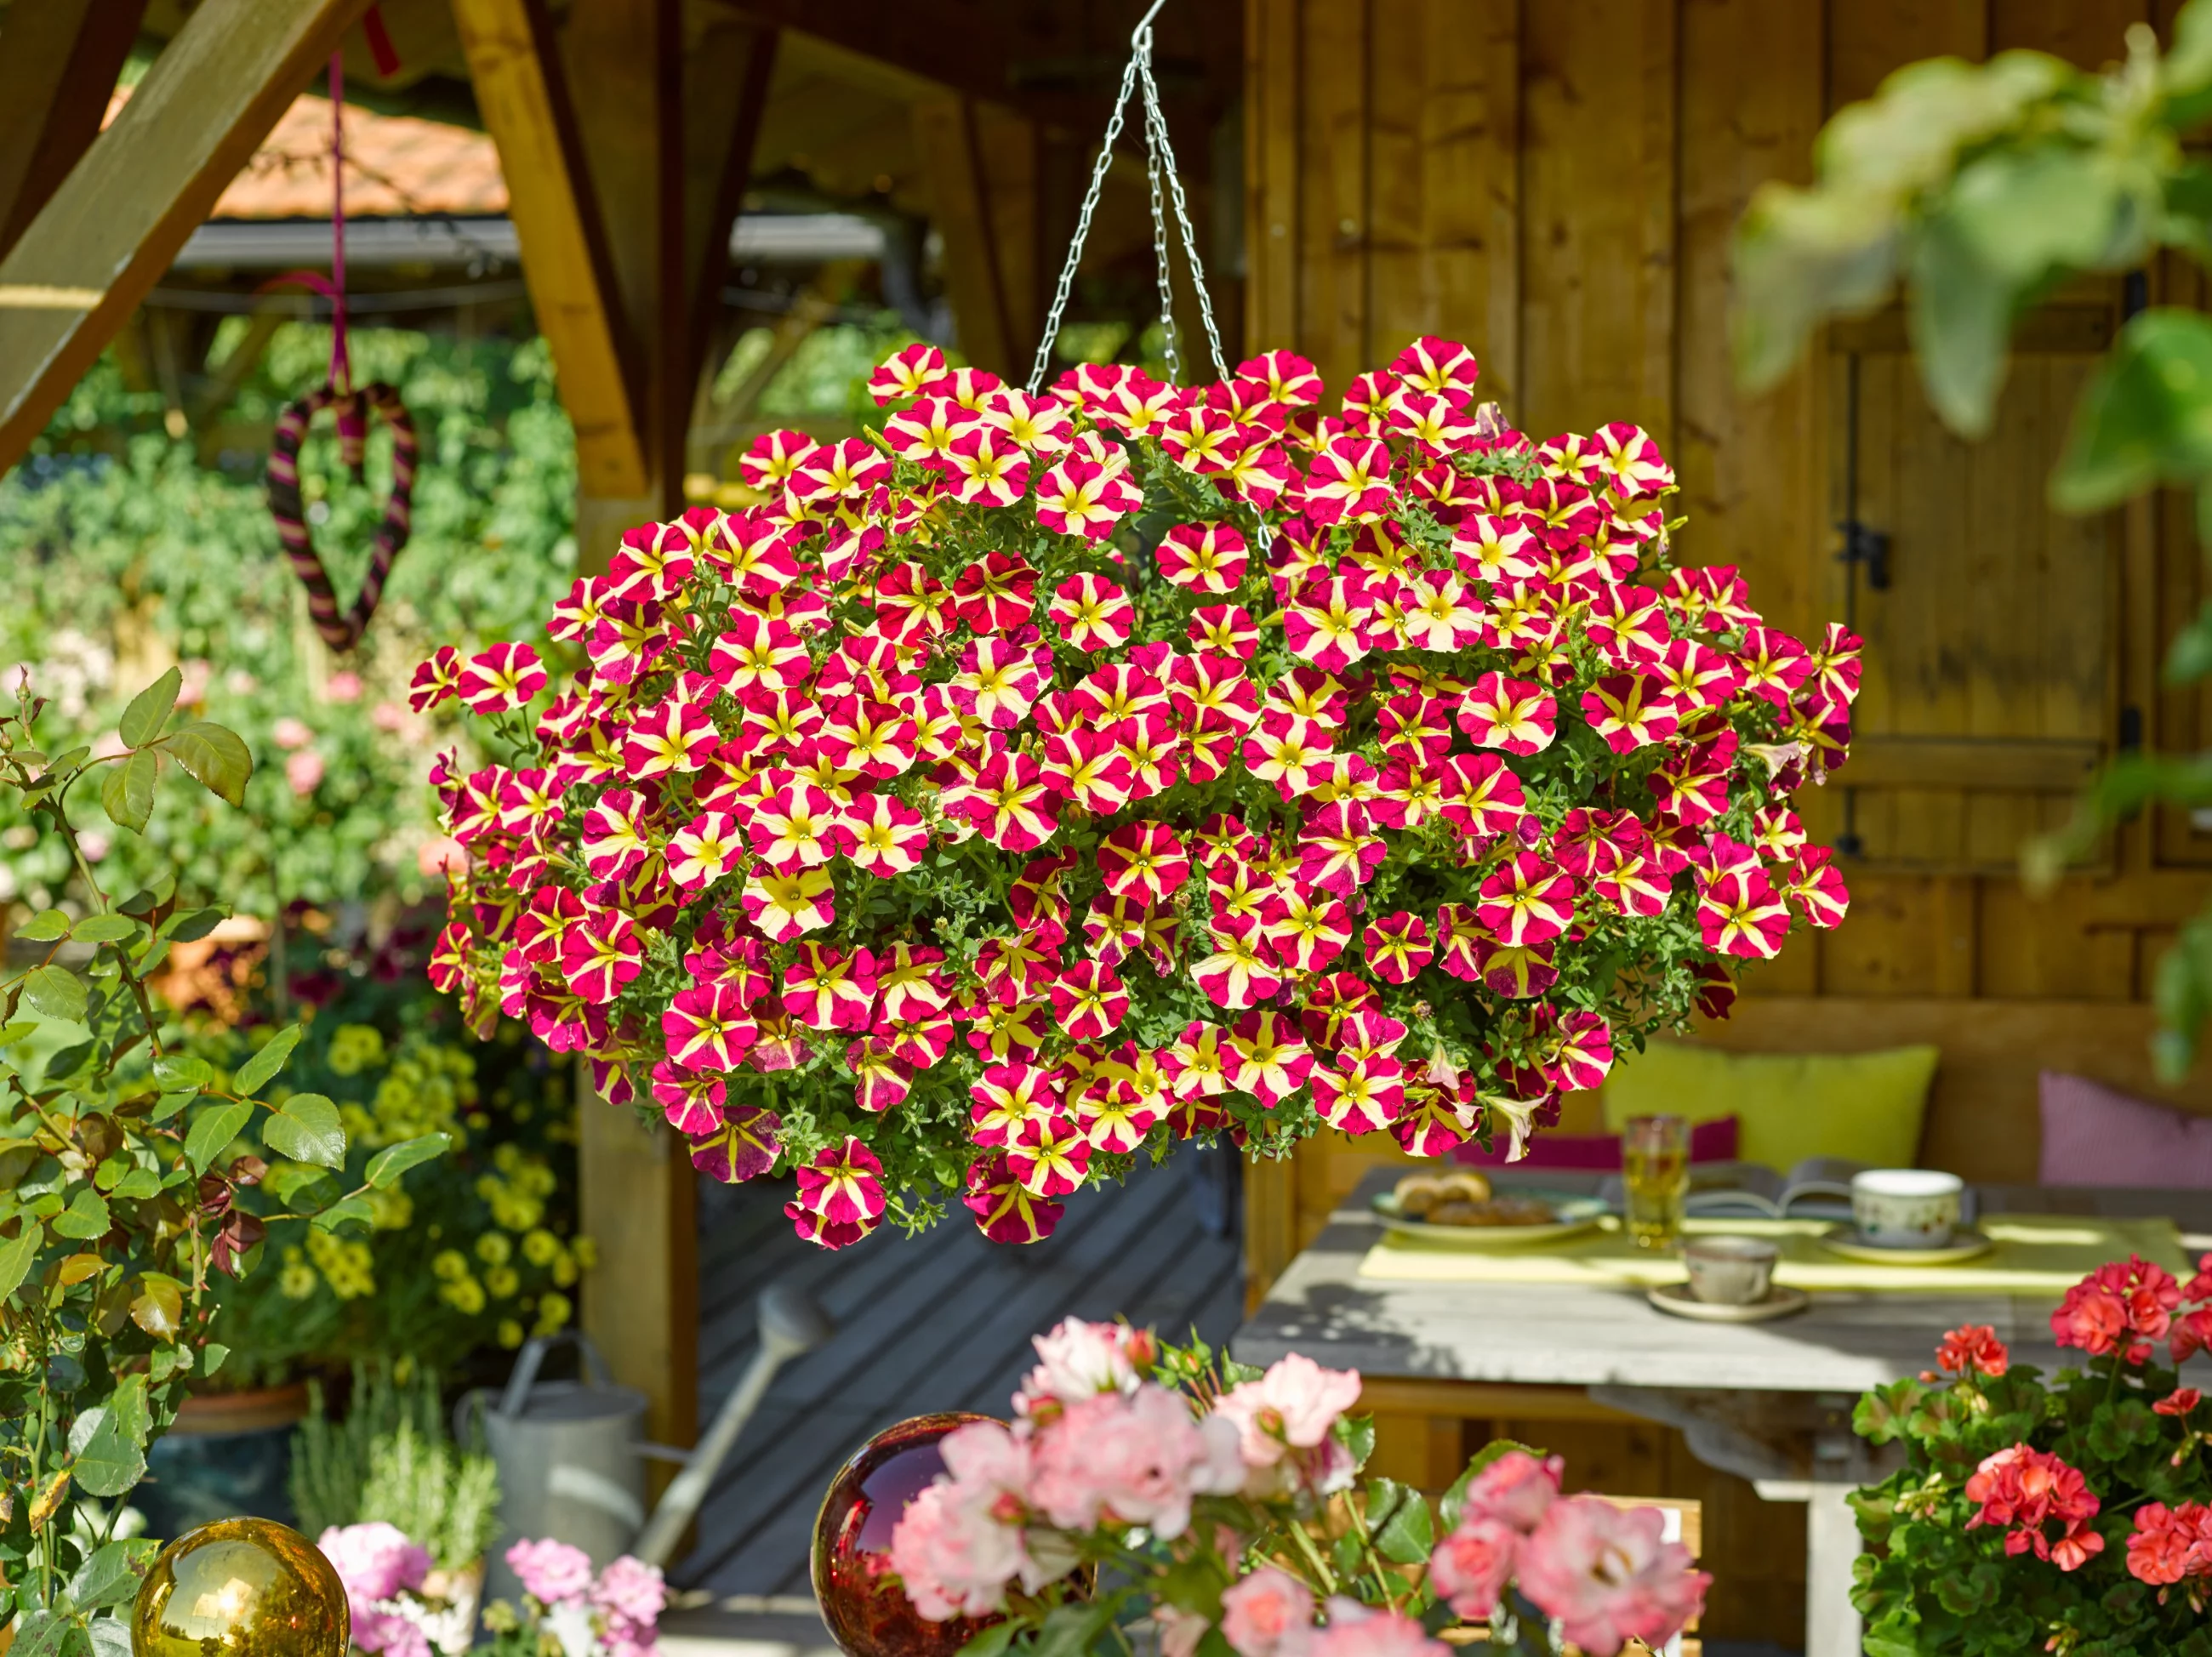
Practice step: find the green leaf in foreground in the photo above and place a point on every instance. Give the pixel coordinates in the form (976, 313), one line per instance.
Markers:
(126, 794)
(214, 756)
(305, 1129)
(55, 992)
(149, 710)
(266, 1063)
(388, 1164)
(213, 1129)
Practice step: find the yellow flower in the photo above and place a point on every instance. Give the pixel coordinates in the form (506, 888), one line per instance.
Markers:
(507, 1158)
(554, 1312)
(390, 1210)
(587, 1251)
(564, 1269)
(299, 1279)
(540, 1246)
(502, 1281)
(465, 1294)
(492, 1248)
(510, 1332)
(355, 1049)
(450, 1265)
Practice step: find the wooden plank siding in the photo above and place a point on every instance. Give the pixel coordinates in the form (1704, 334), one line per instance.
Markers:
(1559, 188)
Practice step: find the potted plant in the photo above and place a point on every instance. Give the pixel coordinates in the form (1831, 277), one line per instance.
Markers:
(1037, 781)
(1146, 1487)
(122, 1162)
(2067, 1515)
(391, 1468)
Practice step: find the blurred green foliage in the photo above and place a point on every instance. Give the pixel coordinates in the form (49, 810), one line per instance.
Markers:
(1983, 188)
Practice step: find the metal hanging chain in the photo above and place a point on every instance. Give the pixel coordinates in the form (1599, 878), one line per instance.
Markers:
(1090, 206)
(1160, 254)
(1156, 128)
(1159, 160)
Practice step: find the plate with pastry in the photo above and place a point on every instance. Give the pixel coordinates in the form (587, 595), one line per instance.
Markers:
(1460, 1208)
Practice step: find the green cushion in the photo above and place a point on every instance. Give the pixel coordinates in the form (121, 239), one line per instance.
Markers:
(1788, 1105)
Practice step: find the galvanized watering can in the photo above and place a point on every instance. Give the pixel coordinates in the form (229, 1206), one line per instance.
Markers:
(572, 1456)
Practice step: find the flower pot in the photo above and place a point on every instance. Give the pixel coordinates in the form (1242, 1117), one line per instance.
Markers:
(454, 1629)
(229, 1455)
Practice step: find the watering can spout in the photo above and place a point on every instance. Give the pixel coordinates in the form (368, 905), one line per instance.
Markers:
(791, 1320)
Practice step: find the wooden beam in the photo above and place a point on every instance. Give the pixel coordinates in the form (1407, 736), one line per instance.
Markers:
(59, 63)
(640, 1302)
(118, 220)
(976, 262)
(522, 92)
(715, 197)
(2046, 765)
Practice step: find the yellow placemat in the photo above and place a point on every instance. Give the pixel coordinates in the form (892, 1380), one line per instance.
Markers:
(2041, 1254)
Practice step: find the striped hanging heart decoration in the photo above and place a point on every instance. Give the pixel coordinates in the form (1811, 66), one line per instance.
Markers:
(342, 630)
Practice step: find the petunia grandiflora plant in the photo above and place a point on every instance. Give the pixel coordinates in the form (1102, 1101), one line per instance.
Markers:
(1036, 781)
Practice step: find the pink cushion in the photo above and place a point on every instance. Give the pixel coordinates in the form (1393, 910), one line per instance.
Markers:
(1600, 1153)
(2096, 1135)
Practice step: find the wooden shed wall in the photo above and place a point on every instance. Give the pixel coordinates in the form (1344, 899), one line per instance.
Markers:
(1557, 186)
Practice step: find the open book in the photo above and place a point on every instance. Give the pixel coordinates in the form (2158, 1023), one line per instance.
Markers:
(1818, 1188)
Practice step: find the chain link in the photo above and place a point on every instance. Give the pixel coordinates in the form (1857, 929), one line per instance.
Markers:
(1160, 160)
(1156, 134)
(1082, 219)
(1160, 238)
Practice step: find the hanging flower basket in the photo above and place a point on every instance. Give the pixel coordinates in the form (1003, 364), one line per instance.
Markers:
(1038, 781)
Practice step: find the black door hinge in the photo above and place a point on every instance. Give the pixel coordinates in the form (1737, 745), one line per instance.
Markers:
(1869, 547)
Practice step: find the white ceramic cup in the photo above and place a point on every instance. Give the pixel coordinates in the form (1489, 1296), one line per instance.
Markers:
(1730, 1271)
(1906, 1207)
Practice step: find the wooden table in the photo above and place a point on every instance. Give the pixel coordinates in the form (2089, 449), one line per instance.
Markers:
(1769, 1402)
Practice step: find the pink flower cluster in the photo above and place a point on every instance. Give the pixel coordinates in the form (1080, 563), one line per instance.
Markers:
(1606, 1573)
(1402, 630)
(623, 1601)
(1097, 1442)
(2025, 1491)
(1101, 1445)
(378, 1564)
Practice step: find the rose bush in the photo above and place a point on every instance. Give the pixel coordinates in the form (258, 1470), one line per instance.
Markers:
(1036, 781)
(1224, 1498)
(2073, 1518)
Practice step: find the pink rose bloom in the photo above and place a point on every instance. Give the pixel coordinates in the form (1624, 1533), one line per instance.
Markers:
(1515, 1490)
(1138, 1459)
(1080, 1359)
(631, 1594)
(961, 1541)
(1606, 1574)
(374, 1562)
(304, 771)
(1472, 1565)
(1180, 1630)
(1293, 1406)
(194, 672)
(438, 853)
(389, 1633)
(1354, 1630)
(1269, 1614)
(289, 732)
(341, 687)
(550, 1571)
(388, 717)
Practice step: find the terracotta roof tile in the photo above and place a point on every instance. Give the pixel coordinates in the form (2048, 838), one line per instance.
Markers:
(397, 166)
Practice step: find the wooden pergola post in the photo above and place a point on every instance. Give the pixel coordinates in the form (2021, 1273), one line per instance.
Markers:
(623, 203)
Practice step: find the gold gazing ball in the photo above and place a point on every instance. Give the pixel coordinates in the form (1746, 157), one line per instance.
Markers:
(241, 1588)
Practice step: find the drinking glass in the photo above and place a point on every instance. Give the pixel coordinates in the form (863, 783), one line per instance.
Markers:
(1655, 1168)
